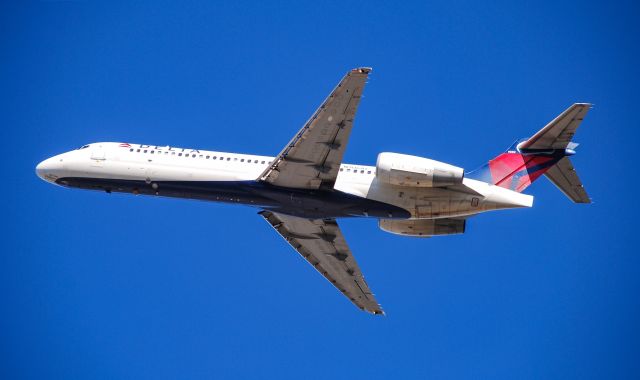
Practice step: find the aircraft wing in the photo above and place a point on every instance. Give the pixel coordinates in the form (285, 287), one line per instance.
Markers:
(559, 132)
(311, 160)
(322, 244)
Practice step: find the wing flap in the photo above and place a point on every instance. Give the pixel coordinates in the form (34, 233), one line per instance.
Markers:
(321, 243)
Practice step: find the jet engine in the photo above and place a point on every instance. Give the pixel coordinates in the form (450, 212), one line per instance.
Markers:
(405, 170)
(423, 227)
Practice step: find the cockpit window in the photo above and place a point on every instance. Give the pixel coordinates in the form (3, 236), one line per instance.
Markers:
(84, 147)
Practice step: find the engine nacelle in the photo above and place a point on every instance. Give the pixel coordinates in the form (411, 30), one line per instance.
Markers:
(423, 227)
(405, 170)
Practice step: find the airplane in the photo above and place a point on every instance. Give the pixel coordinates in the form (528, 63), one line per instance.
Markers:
(303, 190)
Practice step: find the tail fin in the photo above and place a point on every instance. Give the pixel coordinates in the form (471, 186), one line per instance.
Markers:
(546, 152)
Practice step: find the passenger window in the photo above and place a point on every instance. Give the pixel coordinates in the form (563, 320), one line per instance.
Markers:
(208, 157)
(369, 172)
(145, 151)
(263, 162)
(153, 151)
(201, 156)
(228, 158)
(173, 153)
(166, 153)
(242, 160)
(341, 169)
(179, 154)
(138, 151)
(255, 162)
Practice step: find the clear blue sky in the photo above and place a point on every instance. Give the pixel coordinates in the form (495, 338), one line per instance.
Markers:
(115, 286)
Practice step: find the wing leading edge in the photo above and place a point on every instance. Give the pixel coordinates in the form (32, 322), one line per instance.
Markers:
(321, 243)
(311, 159)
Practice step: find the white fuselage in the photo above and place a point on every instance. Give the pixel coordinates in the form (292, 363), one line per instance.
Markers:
(153, 166)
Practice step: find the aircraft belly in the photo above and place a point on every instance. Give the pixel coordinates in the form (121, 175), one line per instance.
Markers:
(296, 202)
(369, 198)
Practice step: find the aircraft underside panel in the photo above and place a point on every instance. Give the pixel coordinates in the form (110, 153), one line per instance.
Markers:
(296, 202)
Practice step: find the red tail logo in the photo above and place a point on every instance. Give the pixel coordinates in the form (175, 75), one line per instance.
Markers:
(515, 171)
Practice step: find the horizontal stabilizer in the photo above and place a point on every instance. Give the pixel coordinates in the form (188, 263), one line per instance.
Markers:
(559, 132)
(564, 176)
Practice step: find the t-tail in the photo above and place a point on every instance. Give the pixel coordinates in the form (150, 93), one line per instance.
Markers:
(545, 153)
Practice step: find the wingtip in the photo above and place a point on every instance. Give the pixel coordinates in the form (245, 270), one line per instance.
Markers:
(362, 70)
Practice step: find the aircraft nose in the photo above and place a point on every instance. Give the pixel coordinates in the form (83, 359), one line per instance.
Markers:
(49, 169)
